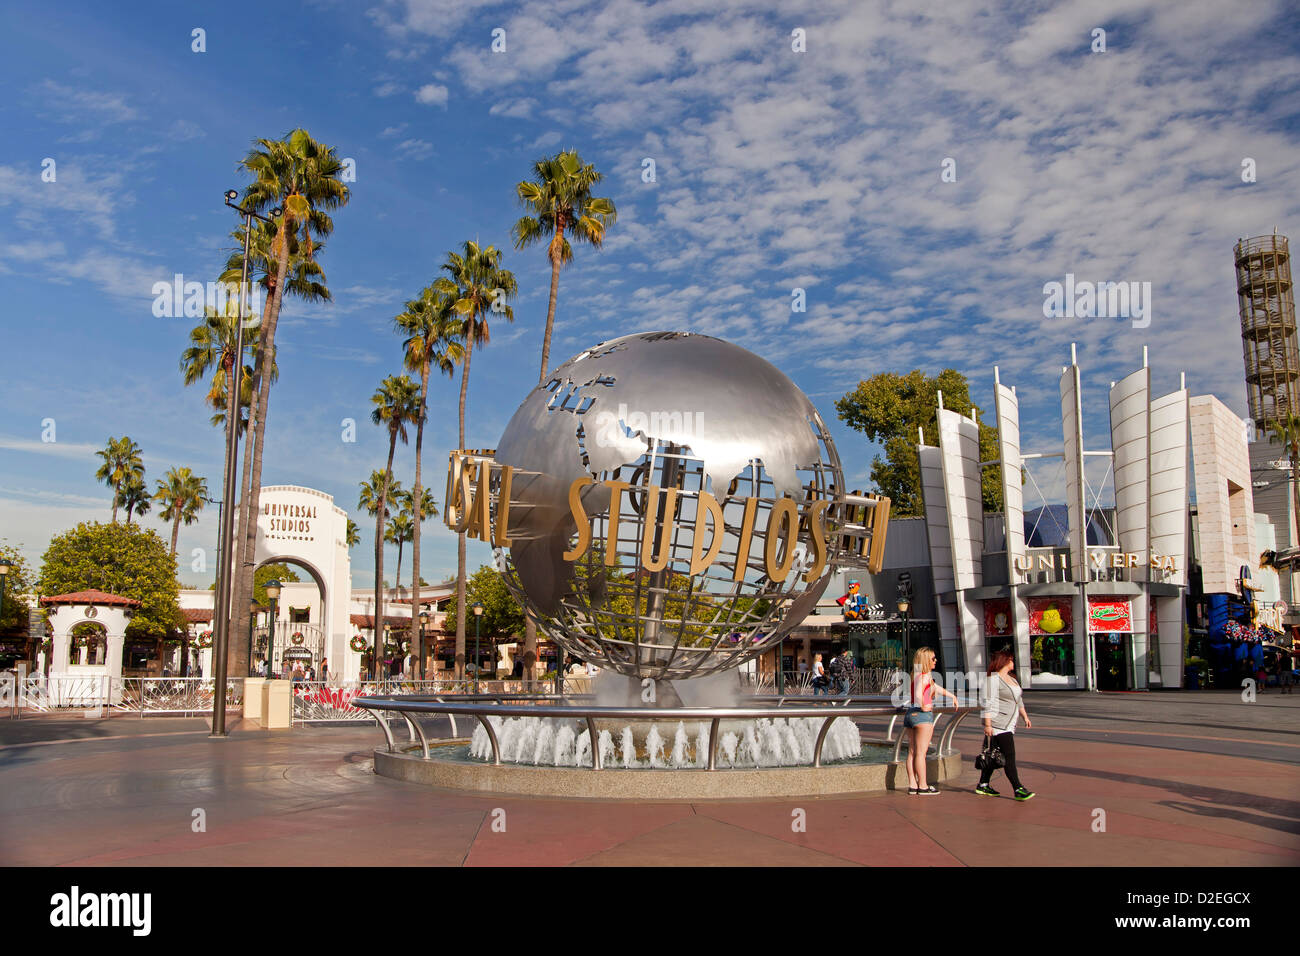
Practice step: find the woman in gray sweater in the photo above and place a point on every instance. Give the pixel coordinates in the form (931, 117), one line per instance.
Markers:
(1003, 703)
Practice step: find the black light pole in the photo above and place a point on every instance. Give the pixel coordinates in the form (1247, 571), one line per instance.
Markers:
(273, 595)
(478, 622)
(904, 609)
(424, 620)
(221, 610)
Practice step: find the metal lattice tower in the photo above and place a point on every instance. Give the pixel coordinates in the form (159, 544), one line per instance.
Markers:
(1268, 328)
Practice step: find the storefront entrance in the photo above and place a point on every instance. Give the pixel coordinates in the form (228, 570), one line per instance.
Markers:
(1112, 661)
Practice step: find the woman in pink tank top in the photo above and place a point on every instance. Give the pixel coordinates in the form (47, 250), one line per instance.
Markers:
(919, 720)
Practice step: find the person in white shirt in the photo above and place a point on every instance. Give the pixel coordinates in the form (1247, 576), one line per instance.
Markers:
(820, 684)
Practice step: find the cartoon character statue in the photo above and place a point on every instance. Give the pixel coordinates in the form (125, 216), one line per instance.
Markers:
(853, 603)
(1051, 621)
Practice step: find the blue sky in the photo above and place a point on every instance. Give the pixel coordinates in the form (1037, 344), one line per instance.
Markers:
(774, 170)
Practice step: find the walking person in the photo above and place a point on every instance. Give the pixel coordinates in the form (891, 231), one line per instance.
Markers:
(919, 720)
(820, 684)
(1284, 675)
(1003, 705)
(842, 673)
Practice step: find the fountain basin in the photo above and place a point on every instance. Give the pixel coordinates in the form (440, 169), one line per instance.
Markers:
(451, 767)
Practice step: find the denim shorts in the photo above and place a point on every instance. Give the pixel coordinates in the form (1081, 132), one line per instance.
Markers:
(916, 716)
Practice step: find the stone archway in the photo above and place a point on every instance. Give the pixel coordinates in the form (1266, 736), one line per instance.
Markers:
(304, 528)
(296, 641)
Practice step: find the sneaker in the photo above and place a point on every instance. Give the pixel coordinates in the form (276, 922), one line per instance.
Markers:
(913, 791)
(986, 791)
(1023, 794)
(930, 791)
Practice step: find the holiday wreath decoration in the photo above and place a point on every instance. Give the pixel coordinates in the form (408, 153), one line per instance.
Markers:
(204, 640)
(358, 643)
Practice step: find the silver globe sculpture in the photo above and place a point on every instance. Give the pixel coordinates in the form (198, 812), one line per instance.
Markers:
(650, 422)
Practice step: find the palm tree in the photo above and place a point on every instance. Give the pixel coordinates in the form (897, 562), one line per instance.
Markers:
(480, 286)
(304, 280)
(133, 495)
(182, 495)
(368, 501)
(353, 536)
(212, 350)
(121, 460)
(396, 405)
(432, 328)
(561, 207)
(301, 177)
(400, 530)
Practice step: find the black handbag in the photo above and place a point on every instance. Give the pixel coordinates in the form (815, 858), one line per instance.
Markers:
(991, 757)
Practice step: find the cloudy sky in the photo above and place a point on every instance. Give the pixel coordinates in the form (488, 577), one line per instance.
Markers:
(775, 169)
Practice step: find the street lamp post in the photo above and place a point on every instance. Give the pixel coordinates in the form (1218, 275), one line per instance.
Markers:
(4, 579)
(221, 609)
(273, 595)
(424, 622)
(904, 609)
(478, 622)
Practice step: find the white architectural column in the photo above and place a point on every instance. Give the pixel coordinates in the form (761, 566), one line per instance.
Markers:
(1130, 432)
(1011, 469)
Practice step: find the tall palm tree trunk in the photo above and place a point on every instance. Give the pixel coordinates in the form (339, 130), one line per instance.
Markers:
(460, 537)
(397, 576)
(176, 531)
(417, 637)
(262, 374)
(550, 316)
(379, 557)
(116, 485)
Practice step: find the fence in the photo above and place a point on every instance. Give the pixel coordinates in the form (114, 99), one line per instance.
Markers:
(322, 701)
(188, 696)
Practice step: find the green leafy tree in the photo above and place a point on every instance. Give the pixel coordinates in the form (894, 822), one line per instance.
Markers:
(13, 612)
(480, 286)
(121, 460)
(268, 573)
(889, 408)
(264, 576)
(502, 615)
(121, 559)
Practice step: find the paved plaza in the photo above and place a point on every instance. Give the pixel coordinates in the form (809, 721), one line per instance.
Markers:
(1183, 779)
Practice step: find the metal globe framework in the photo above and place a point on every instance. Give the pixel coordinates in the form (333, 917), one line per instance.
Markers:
(606, 490)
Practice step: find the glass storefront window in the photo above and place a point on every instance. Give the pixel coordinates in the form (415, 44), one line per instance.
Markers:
(1053, 654)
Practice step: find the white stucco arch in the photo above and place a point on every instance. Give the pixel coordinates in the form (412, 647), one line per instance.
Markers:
(302, 526)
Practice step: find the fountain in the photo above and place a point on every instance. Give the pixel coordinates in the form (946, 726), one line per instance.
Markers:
(667, 506)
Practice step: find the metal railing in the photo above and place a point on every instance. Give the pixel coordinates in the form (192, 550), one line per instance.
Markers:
(146, 696)
(327, 701)
(865, 680)
(500, 706)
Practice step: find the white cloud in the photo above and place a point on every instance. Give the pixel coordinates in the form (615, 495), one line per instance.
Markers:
(431, 94)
